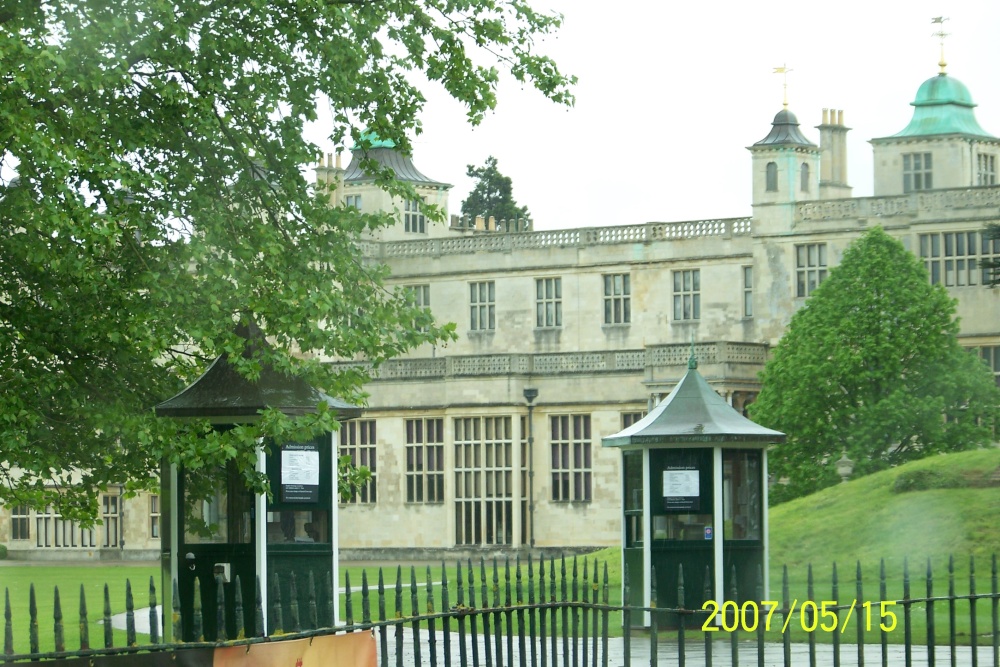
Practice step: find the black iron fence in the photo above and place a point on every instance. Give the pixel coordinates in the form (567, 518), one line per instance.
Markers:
(552, 613)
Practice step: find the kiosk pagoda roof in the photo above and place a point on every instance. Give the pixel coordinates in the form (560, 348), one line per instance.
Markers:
(222, 392)
(693, 413)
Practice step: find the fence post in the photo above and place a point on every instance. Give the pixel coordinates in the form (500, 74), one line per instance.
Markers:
(532, 612)
(238, 604)
(973, 630)
(760, 626)
(431, 638)
(907, 625)
(415, 615)
(154, 625)
(220, 608)
(293, 603)
(366, 607)
(734, 646)
(626, 616)
(195, 616)
(33, 620)
(277, 615)
(473, 621)
(331, 599)
(348, 599)
(835, 635)
(175, 614)
(8, 630)
(680, 615)
(313, 610)
(882, 595)
(786, 640)
(57, 618)
(399, 615)
(519, 599)
(510, 611)
(108, 630)
(542, 646)
(707, 592)
(811, 596)
(653, 658)
(860, 596)
(446, 625)
(84, 622)
(996, 617)
(383, 628)
(576, 617)
(930, 615)
(459, 604)
(258, 609)
(604, 616)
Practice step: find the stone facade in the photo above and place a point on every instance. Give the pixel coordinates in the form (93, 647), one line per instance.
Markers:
(600, 321)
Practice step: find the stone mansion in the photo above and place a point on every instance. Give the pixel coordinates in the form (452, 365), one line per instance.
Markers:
(599, 323)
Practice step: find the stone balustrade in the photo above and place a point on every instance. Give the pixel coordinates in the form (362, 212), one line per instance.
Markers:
(563, 363)
(559, 238)
(914, 204)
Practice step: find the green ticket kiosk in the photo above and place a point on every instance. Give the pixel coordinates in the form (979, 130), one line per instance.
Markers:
(694, 474)
(218, 530)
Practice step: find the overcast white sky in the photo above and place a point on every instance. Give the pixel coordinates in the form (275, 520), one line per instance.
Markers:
(672, 93)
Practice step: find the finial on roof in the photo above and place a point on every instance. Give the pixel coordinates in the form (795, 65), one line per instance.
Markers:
(692, 362)
(783, 71)
(941, 34)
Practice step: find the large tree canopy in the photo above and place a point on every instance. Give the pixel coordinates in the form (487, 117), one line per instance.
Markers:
(871, 366)
(153, 192)
(493, 194)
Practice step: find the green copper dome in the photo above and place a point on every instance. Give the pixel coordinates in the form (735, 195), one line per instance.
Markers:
(372, 138)
(943, 106)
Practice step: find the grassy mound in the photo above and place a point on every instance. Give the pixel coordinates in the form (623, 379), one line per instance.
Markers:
(929, 509)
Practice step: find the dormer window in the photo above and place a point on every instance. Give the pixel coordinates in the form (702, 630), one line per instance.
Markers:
(413, 216)
(986, 171)
(917, 172)
(771, 177)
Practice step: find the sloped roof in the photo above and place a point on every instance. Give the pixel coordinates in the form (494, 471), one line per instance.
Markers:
(693, 412)
(785, 132)
(222, 392)
(401, 165)
(943, 105)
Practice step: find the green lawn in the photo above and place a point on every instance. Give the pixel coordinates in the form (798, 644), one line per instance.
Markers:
(861, 521)
(17, 581)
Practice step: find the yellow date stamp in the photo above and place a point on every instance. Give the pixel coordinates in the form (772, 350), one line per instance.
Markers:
(813, 615)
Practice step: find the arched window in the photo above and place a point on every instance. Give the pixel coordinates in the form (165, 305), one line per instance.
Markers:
(772, 177)
(804, 171)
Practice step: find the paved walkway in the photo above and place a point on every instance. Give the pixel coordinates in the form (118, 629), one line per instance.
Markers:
(667, 653)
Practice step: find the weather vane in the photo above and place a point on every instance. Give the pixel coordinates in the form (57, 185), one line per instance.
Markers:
(940, 34)
(783, 71)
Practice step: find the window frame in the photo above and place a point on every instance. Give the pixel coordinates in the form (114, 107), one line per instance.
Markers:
(687, 295)
(424, 466)
(951, 258)
(617, 298)
(810, 269)
(571, 458)
(358, 439)
(414, 220)
(482, 305)
(771, 177)
(986, 169)
(20, 523)
(548, 302)
(746, 273)
(918, 172)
